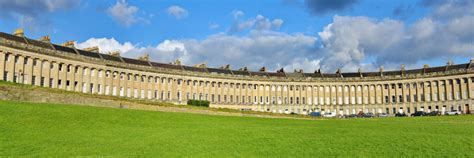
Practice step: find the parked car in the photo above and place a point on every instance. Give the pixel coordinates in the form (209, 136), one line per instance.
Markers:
(453, 113)
(400, 115)
(360, 114)
(315, 114)
(382, 115)
(329, 114)
(369, 115)
(419, 113)
(350, 116)
(434, 113)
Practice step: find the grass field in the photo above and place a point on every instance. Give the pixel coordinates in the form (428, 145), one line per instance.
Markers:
(31, 129)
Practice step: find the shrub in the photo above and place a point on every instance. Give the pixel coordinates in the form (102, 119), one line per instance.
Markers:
(203, 103)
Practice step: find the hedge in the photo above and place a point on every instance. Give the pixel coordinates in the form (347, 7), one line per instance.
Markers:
(203, 103)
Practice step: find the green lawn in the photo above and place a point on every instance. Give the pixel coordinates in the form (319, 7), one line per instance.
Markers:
(30, 129)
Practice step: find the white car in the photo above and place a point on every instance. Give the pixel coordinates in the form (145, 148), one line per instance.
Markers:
(453, 113)
(329, 114)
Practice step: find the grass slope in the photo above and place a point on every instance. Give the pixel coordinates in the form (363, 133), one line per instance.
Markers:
(31, 129)
(29, 93)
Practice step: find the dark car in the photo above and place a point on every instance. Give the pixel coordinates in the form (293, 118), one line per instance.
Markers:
(350, 115)
(382, 115)
(434, 113)
(419, 113)
(315, 114)
(400, 115)
(369, 115)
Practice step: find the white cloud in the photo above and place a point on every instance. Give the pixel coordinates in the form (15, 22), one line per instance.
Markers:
(258, 23)
(270, 49)
(123, 13)
(237, 13)
(262, 23)
(177, 11)
(33, 7)
(31, 13)
(453, 8)
(462, 26)
(214, 26)
(106, 45)
(350, 41)
(308, 65)
(171, 46)
(277, 23)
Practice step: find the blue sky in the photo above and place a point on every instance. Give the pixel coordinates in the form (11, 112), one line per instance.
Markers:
(294, 34)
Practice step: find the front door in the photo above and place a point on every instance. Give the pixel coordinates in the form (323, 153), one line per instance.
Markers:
(468, 111)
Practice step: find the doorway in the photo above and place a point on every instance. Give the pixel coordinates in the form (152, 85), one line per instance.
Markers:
(468, 111)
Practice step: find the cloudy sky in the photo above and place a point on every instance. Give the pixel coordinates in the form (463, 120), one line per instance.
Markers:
(293, 34)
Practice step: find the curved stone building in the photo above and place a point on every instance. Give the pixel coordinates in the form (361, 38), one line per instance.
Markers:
(42, 63)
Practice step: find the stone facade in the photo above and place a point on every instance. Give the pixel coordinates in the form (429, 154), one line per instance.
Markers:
(41, 63)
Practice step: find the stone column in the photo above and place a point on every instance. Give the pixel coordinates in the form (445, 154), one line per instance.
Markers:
(29, 70)
(54, 74)
(2, 64)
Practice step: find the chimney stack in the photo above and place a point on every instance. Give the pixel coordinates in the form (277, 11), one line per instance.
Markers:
(144, 57)
(177, 62)
(19, 32)
(426, 66)
(202, 65)
(68, 44)
(46, 39)
(115, 53)
(449, 63)
(92, 49)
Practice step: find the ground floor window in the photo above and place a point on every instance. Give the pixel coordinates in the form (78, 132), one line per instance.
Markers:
(42, 82)
(84, 87)
(15, 78)
(135, 93)
(33, 80)
(129, 93)
(51, 81)
(114, 91)
(100, 88)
